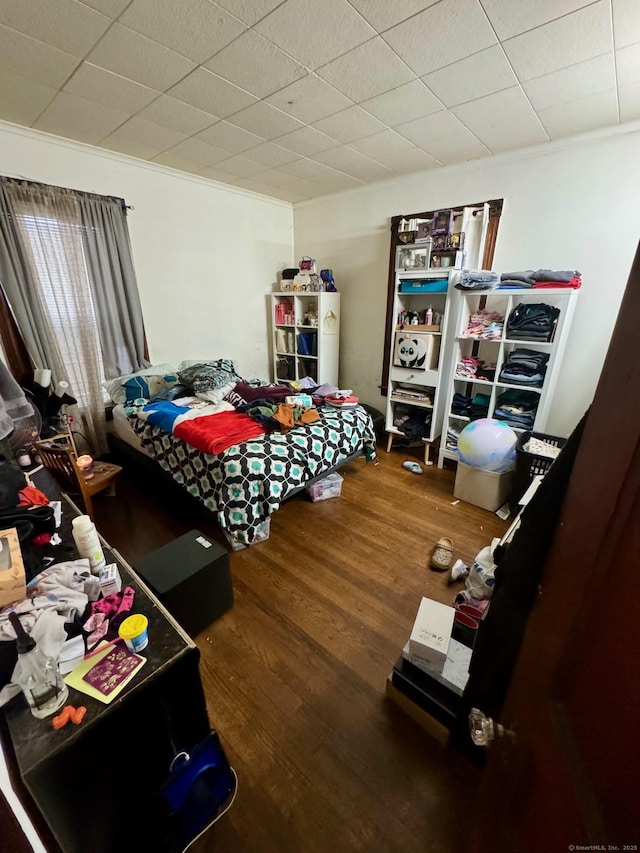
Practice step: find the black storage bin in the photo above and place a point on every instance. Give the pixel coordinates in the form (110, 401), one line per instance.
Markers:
(192, 578)
(529, 465)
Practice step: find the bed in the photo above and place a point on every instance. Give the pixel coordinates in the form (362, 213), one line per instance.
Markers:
(245, 483)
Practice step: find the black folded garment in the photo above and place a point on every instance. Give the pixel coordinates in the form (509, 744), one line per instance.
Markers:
(532, 321)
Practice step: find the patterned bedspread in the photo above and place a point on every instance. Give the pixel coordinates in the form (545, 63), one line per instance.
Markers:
(244, 484)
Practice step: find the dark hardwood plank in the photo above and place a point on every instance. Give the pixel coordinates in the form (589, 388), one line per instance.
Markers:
(295, 672)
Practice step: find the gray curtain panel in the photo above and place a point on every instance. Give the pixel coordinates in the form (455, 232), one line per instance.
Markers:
(113, 284)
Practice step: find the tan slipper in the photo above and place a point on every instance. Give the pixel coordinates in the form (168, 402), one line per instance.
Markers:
(442, 555)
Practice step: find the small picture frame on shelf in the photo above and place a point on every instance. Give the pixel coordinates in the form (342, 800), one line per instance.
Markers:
(439, 242)
(412, 257)
(435, 261)
(455, 241)
(442, 222)
(423, 230)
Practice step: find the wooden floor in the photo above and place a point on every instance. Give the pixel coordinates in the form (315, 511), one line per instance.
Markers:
(295, 672)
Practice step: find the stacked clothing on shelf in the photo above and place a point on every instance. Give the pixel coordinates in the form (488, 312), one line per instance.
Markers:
(461, 405)
(453, 433)
(413, 423)
(478, 280)
(532, 322)
(484, 325)
(486, 371)
(525, 367)
(517, 408)
(467, 367)
(541, 278)
(479, 406)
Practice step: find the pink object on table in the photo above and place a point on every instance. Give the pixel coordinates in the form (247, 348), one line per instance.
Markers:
(85, 464)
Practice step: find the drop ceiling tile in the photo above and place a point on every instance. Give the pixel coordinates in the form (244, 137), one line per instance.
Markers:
(199, 152)
(129, 147)
(347, 125)
(76, 118)
(249, 11)
(315, 33)
(408, 102)
(478, 75)
(265, 120)
(242, 166)
(354, 164)
(174, 161)
(306, 141)
(255, 186)
(147, 132)
(66, 24)
(510, 19)
(277, 177)
(195, 28)
(22, 100)
(406, 162)
(502, 121)
(629, 98)
(382, 14)
(272, 155)
(206, 91)
(568, 84)
(599, 109)
(305, 188)
(452, 29)
(456, 148)
(105, 87)
(366, 71)
(317, 172)
(309, 99)
(33, 59)
(423, 130)
(574, 38)
(256, 65)
(628, 65)
(126, 52)
(381, 144)
(230, 137)
(112, 8)
(626, 22)
(175, 114)
(214, 174)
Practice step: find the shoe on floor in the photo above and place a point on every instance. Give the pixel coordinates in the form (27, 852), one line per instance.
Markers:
(412, 466)
(459, 572)
(442, 555)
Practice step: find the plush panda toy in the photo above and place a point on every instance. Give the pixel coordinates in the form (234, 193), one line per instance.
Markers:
(411, 352)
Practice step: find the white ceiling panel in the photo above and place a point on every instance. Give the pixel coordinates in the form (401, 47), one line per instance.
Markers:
(126, 52)
(383, 14)
(272, 155)
(195, 28)
(366, 71)
(474, 77)
(265, 120)
(307, 141)
(256, 65)
(596, 110)
(22, 100)
(249, 11)
(170, 112)
(568, 84)
(357, 165)
(626, 22)
(86, 121)
(309, 99)
(149, 133)
(105, 87)
(408, 102)
(66, 24)
(347, 92)
(511, 18)
(347, 125)
(567, 41)
(456, 148)
(206, 91)
(503, 120)
(452, 29)
(230, 137)
(33, 59)
(315, 33)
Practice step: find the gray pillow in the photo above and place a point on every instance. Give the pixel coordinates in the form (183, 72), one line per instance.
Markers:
(115, 387)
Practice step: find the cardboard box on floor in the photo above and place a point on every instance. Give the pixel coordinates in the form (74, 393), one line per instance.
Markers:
(485, 489)
(431, 633)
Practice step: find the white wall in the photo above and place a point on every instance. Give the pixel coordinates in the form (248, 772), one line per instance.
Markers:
(205, 255)
(573, 205)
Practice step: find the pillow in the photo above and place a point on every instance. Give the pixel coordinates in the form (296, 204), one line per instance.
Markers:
(217, 395)
(114, 387)
(153, 387)
(205, 376)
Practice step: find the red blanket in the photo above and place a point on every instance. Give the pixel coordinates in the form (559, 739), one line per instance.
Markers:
(215, 433)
